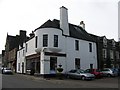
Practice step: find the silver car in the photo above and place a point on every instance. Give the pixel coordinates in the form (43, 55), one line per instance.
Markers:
(109, 72)
(7, 71)
(80, 74)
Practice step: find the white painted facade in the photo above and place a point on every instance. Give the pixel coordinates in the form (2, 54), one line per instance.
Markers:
(21, 59)
(66, 45)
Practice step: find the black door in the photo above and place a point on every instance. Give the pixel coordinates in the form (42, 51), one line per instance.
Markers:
(22, 67)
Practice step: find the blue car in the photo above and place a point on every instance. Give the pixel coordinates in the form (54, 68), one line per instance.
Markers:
(117, 70)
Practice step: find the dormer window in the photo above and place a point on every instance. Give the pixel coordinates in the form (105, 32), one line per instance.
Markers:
(113, 43)
(104, 42)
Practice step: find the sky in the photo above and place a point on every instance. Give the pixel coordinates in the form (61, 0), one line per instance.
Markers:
(100, 16)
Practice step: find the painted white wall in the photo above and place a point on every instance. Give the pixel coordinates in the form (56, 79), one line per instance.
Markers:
(51, 32)
(21, 58)
(86, 57)
(30, 47)
(66, 45)
(62, 61)
(45, 64)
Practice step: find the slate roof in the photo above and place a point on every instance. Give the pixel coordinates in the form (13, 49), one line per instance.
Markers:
(50, 24)
(74, 30)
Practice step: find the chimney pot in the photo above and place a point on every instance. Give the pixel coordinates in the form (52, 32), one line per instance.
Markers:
(82, 24)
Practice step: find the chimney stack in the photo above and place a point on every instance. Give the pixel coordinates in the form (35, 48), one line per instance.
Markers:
(64, 20)
(32, 34)
(22, 36)
(82, 24)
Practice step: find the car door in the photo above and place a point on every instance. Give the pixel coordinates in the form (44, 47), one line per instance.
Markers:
(77, 75)
(88, 71)
(72, 74)
(105, 71)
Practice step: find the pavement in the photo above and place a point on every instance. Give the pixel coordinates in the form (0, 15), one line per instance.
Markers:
(39, 77)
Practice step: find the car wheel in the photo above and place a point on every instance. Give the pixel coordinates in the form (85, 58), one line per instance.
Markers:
(83, 77)
(109, 75)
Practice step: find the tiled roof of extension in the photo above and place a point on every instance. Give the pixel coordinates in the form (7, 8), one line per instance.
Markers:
(74, 30)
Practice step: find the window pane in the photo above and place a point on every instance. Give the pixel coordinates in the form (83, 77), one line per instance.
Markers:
(111, 54)
(76, 45)
(26, 47)
(104, 53)
(55, 40)
(90, 47)
(45, 40)
(36, 39)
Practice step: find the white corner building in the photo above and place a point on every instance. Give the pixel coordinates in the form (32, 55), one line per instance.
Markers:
(55, 43)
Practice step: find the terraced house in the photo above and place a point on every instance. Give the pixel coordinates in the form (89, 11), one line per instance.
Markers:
(57, 42)
(11, 48)
(108, 52)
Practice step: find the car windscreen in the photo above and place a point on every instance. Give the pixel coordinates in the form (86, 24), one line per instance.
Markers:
(82, 71)
(97, 70)
(8, 69)
(72, 71)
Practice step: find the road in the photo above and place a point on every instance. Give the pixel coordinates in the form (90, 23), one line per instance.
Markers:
(25, 81)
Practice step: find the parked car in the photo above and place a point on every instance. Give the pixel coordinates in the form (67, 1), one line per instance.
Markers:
(80, 74)
(109, 72)
(117, 70)
(7, 71)
(96, 72)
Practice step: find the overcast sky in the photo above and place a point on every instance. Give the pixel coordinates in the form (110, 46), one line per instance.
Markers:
(100, 16)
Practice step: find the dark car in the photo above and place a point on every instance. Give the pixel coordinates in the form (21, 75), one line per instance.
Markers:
(117, 70)
(80, 74)
(96, 72)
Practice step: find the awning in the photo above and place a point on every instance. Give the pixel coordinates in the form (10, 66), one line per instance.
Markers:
(33, 56)
(55, 54)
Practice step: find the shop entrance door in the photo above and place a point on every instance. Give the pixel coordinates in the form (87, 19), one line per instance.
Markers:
(53, 65)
